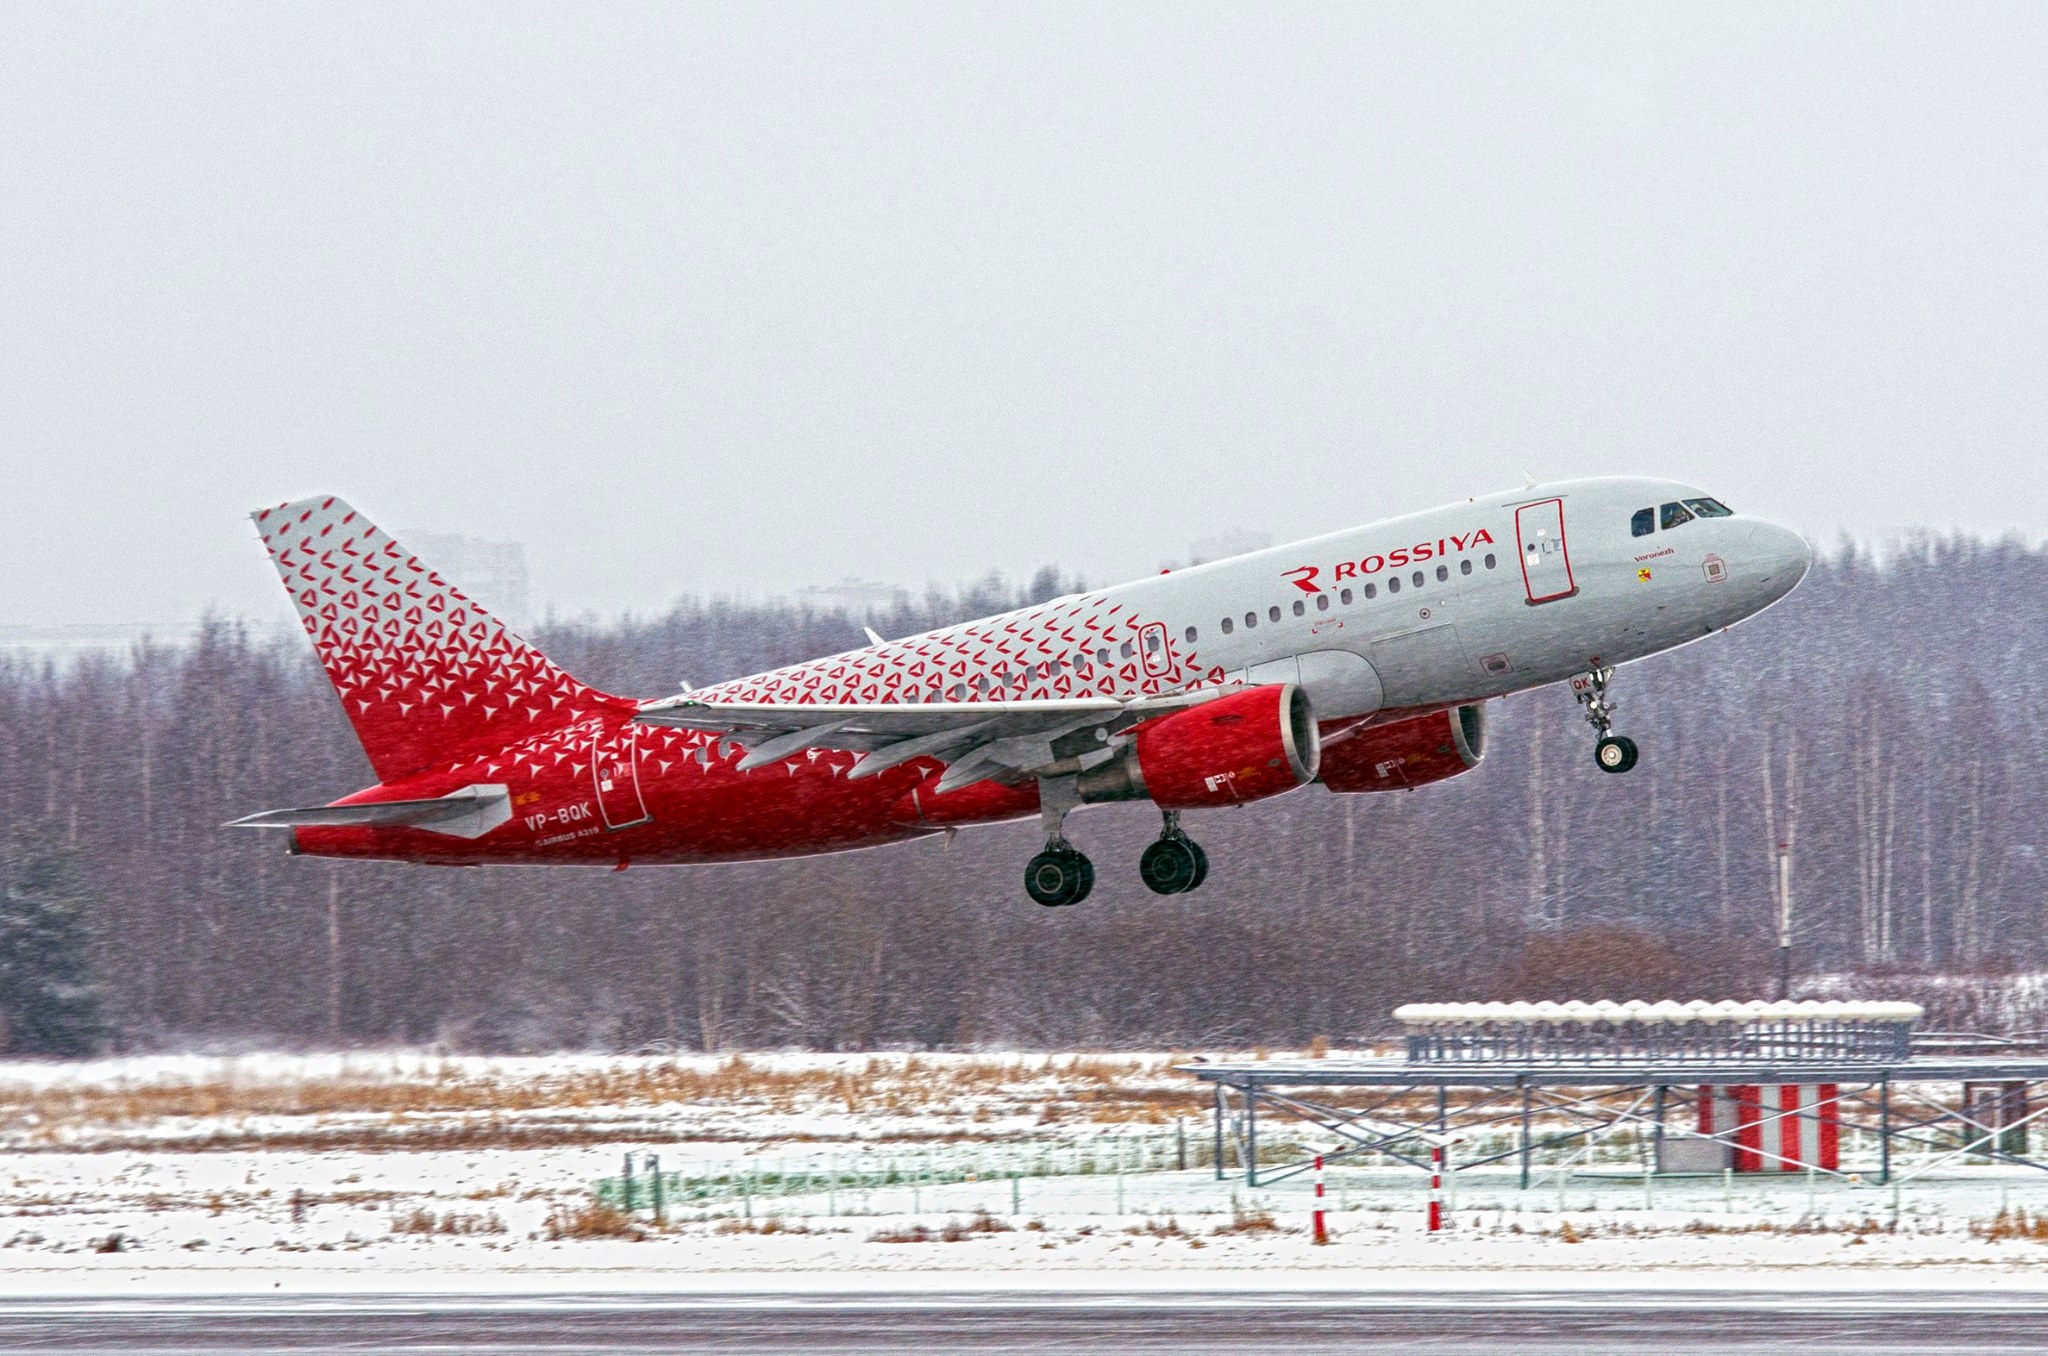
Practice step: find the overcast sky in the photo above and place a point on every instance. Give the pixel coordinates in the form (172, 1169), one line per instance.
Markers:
(740, 298)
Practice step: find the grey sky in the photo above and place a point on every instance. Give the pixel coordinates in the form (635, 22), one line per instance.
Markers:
(745, 297)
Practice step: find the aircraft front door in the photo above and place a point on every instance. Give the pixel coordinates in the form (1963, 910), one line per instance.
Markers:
(615, 775)
(1546, 566)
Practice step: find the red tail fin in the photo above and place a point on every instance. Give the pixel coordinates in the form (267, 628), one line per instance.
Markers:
(426, 676)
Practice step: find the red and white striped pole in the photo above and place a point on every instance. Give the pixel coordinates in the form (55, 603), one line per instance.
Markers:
(1322, 1224)
(1436, 1188)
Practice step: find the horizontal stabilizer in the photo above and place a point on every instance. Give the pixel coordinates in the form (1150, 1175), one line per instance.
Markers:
(470, 812)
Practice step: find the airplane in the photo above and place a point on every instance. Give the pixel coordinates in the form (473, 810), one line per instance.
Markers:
(1361, 660)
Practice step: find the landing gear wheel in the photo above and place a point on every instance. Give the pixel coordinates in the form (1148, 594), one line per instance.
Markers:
(1171, 866)
(1615, 753)
(1176, 863)
(1059, 876)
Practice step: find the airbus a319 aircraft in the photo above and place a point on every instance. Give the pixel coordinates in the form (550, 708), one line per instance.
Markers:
(1361, 660)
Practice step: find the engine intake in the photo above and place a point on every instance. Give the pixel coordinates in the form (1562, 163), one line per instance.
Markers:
(1407, 753)
(1243, 747)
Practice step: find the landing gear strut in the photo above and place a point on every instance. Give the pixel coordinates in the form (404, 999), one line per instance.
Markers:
(1175, 863)
(1613, 752)
(1059, 875)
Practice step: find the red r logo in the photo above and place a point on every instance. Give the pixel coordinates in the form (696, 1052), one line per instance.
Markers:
(1303, 577)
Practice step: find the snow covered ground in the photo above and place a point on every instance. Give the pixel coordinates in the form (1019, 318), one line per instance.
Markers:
(414, 1171)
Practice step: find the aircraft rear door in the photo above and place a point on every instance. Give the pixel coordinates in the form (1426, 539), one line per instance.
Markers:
(1546, 566)
(615, 776)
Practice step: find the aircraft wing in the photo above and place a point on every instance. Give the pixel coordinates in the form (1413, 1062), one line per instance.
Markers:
(977, 740)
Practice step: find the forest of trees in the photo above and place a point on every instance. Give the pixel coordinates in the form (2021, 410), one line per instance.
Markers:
(1890, 718)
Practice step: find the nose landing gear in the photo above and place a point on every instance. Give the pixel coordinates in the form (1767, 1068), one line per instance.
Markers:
(1613, 752)
(1175, 863)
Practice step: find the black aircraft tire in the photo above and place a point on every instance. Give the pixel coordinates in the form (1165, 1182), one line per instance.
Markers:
(1201, 865)
(1615, 753)
(1055, 879)
(1169, 866)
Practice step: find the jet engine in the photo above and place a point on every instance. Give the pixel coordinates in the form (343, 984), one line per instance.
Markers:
(1407, 753)
(1251, 744)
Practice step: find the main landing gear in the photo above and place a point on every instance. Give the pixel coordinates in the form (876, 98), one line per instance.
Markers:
(1176, 863)
(1060, 875)
(1613, 752)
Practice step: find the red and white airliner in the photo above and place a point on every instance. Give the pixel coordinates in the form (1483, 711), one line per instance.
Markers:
(1360, 660)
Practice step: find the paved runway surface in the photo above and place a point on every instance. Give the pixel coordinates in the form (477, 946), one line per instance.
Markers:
(1141, 1321)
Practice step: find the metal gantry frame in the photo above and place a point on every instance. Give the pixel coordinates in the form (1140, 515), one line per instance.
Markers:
(1892, 1101)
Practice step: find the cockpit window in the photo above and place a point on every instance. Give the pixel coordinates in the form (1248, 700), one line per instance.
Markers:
(1674, 513)
(1644, 523)
(1710, 508)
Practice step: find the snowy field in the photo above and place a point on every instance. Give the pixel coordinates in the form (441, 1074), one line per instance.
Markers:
(419, 1171)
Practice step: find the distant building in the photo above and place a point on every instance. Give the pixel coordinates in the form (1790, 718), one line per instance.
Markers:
(75, 640)
(859, 597)
(1223, 545)
(491, 572)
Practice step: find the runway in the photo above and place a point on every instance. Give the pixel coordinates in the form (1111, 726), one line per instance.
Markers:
(1148, 1321)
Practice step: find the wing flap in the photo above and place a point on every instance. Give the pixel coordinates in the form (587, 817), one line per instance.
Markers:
(883, 720)
(977, 740)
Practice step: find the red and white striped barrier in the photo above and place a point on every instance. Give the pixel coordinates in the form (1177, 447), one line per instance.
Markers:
(1436, 1188)
(1322, 1224)
(1775, 1127)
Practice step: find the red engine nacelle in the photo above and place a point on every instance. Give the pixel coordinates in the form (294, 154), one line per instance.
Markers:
(1407, 753)
(1246, 746)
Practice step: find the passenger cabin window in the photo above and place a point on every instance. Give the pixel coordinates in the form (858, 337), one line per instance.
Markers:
(1644, 523)
(1299, 607)
(1344, 596)
(1227, 626)
(1672, 514)
(1191, 635)
(1127, 649)
(1273, 613)
(1489, 560)
(1443, 572)
(1322, 602)
(1394, 583)
(1371, 591)
(1464, 567)
(1416, 579)
(1251, 619)
(1710, 508)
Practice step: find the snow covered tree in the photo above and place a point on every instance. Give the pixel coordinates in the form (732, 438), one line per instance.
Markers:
(49, 1004)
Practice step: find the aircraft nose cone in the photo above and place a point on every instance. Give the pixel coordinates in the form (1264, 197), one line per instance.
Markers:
(1782, 558)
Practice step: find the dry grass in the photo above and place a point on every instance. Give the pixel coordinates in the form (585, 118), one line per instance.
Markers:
(952, 1231)
(420, 1220)
(1158, 1228)
(773, 1224)
(464, 1107)
(592, 1219)
(2013, 1223)
(1247, 1221)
